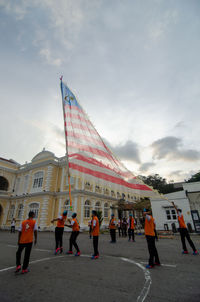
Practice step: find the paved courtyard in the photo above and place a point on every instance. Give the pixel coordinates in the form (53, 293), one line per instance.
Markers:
(118, 275)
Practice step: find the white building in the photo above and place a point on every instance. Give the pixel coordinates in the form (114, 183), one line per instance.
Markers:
(165, 214)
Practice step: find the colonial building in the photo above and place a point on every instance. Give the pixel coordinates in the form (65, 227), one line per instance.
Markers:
(42, 186)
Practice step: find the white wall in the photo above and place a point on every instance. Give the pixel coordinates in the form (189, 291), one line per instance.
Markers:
(159, 209)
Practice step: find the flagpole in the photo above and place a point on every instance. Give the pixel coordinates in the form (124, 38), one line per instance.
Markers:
(64, 118)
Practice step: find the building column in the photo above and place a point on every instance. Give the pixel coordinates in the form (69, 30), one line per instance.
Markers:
(44, 213)
(82, 212)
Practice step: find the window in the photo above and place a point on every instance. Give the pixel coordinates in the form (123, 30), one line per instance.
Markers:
(38, 180)
(97, 206)
(171, 214)
(34, 207)
(20, 211)
(3, 184)
(106, 209)
(87, 209)
(67, 205)
(118, 195)
(12, 211)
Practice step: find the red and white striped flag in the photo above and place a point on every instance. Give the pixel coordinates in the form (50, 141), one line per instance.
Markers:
(88, 154)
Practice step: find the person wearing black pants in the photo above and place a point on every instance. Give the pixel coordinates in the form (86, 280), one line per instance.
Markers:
(112, 227)
(184, 232)
(95, 234)
(59, 236)
(27, 230)
(75, 232)
(59, 232)
(28, 247)
(150, 237)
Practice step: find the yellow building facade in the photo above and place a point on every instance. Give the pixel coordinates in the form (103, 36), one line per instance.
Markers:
(42, 186)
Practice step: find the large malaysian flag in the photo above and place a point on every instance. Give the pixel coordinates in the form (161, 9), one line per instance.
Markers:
(87, 152)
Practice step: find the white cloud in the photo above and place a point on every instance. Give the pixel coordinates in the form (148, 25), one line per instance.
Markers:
(46, 54)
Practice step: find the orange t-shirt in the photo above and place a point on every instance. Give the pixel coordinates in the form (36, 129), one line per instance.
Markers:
(112, 224)
(27, 229)
(61, 221)
(75, 225)
(181, 222)
(132, 224)
(149, 226)
(95, 226)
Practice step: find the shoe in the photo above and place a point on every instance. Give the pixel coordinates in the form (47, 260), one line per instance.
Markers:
(158, 264)
(24, 271)
(195, 253)
(69, 253)
(56, 251)
(185, 252)
(149, 266)
(95, 257)
(61, 250)
(18, 268)
(78, 254)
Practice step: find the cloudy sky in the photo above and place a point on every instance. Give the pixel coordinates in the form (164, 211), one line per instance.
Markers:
(134, 65)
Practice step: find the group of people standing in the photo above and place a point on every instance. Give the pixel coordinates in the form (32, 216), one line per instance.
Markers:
(28, 231)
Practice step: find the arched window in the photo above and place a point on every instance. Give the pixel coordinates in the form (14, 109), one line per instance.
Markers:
(20, 211)
(87, 209)
(67, 205)
(106, 209)
(97, 206)
(34, 207)
(38, 180)
(11, 211)
(3, 184)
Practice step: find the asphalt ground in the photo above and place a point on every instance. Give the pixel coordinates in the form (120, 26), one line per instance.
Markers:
(118, 275)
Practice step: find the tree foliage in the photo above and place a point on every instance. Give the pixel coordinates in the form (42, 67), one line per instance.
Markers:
(194, 177)
(159, 183)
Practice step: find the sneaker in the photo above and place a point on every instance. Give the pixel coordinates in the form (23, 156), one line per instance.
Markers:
(56, 251)
(18, 268)
(95, 257)
(185, 252)
(149, 266)
(77, 254)
(195, 253)
(24, 271)
(69, 253)
(158, 264)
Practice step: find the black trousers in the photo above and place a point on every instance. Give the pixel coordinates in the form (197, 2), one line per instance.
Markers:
(95, 245)
(59, 237)
(152, 250)
(28, 247)
(184, 234)
(113, 235)
(120, 231)
(131, 234)
(12, 230)
(72, 241)
(124, 231)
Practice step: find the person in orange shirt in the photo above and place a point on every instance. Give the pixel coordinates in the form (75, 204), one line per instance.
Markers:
(131, 228)
(112, 227)
(150, 237)
(184, 232)
(75, 232)
(95, 234)
(27, 231)
(59, 232)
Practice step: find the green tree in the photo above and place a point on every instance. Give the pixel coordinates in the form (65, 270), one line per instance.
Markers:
(159, 183)
(194, 177)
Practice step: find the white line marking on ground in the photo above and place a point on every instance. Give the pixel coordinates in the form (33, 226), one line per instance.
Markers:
(147, 283)
(147, 276)
(167, 265)
(34, 261)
